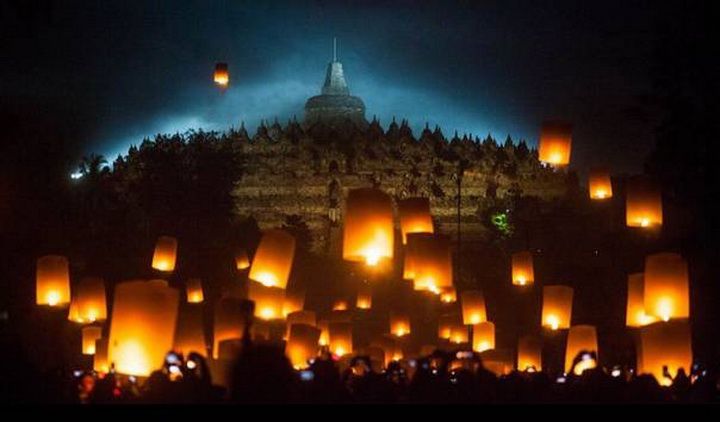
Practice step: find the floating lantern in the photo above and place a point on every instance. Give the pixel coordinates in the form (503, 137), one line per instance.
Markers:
(390, 346)
(340, 305)
(273, 259)
(165, 254)
(189, 332)
(241, 260)
(445, 324)
(324, 326)
(498, 361)
(557, 307)
(194, 290)
(643, 204)
(399, 324)
(431, 261)
(88, 304)
(448, 294)
(483, 336)
(635, 315)
(580, 338)
(415, 216)
(100, 359)
(368, 232)
(529, 354)
(52, 281)
(300, 317)
(599, 184)
(142, 327)
(268, 301)
(302, 345)
(294, 300)
(666, 286)
(364, 297)
(340, 338)
(230, 320)
(90, 335)
(221, 76)
(665, 345)
(522, 269)
(473, 307)
(555, 144)
(458, 333)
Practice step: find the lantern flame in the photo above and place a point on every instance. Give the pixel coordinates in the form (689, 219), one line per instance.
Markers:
(52, 298)
(553, 321)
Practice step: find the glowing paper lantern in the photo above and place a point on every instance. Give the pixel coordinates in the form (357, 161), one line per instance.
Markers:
(557, 307)
(324, 326)
(364, 297)
(142, 327)
(294, 300)
(445, 324)
(580, 338)
(340, 305)
(529, 354)
(340, 338)
(221, 76)
(473, 307)
(643, 204)
(165, 254)
(52, 281)
(100, 360)
(390, 346)
(368, 232)
(665, 344)
(599, 184)
(241, 260)
(88, 304)
(448, 295)
(301, 317)
(415, 216)
(666, 286)
(522, 269)
(483, 336)
(230, 321)
(194, 291)
(635, 315)
(498, 361)
(90, 335)
(431, 261)
(268, 301)
(555, 144)
(273, 259)
(302, 345)
(189, 332)
(458, 333)
(399, 324)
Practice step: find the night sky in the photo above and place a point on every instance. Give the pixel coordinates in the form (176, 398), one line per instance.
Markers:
(128, 70)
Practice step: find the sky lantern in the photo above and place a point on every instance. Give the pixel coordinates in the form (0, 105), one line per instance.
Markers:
(599, 184)
(399, 324)
(529, 354)
(635, 314)
(415, 216)
(580, 338)
(142, 326)
(52, 281)
(522, 269)
(555, 144)
(446, 323)
(302, 345)
(165, 254)
(221, 76)
(340, 305)
(665, 344)
(90, 335)
(229, 322)
(194, 290)
(666, 286)
(100, 359)
(269, 301)
(643, 204)
(324, 326)
(294, 300)
(368, 231)
(473, 307)
(458, 333)
(242, 262)
(189, 331)
(300, 317)
(88, 304)
(364, 297)
(340, 338)
(431, 260)
(483, 336)
(273, 259)
(498, 361)
(391, 347)
(557, 307)
(448, 294)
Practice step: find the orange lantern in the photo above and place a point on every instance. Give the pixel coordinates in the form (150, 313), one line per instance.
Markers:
(221, 76)
(301, 317)
(483, 336)
(268, 300)
(142, 327)
(100, 359)
(431, 261)
(241, 260)
(581, 338)
(399, 324)
(643, 204)
(90, 335)
(498, 361)
(391, 347)
(340, 305)
(448, 294)
(415, 216)
(52, 281)
(458, 333)
(165, 254)
(364, 297)
(231, 316)
(368, 232)
(599, 184)
(473, 307)
(555, 144)
(189, 332)
(445, 324)
(194, 291)
(635, 315)
(557, 307)
(302, 345)
(294, 300)
(324, 326)
(273, 259)
(340, 338)
(522, 269)
(665, 345)
(89, 304)
(529, 354)
(666, 286)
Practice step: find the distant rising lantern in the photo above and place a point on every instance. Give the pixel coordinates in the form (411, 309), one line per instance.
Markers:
(230, 321)
(268, 301)
(399, 324)
(142, 326)
(273, 259)
(391, 347)
(52, 281)
(324, 326)
(340, 338)
(415, 216)
(189, 332)
(364, 297)
(300, 317)
(368, 232)
(302, 345)
(523, 273)
(580, 338)
(643, 204)
(241, 260)
(445, 324)
(555, 144)
(90, 335)
(294, 300)
(431, 261)
(458, 333)
(100, 360)
(89, 303)
(635, 315)
(473, 307)
(194, 290)
(165, 254)
(221, 77)
(557, 307)
(666, 286)
(340, 305)
(483, 336)
(529, 354)
(498, 361)
(665, 345)
(599, 184)
(448, 294)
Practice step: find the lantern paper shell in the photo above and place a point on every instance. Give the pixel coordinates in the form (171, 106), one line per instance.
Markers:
(324, 326)
(399, 324)
(190, 332)
(273, 259)
(415, 216)
(431, 261)
(555, 144)
(529, 354)
(302, 345)
(340, 338)
(599, 184)
(666, 286)
(90, 335)
(165, 254)
(221, 76)
(294, 301)
(143, 326)
(557, 307)
(665, 344)
(368, 232)
(483, 336)
(230, 321)
(52, 281)
(100, 359)
(340, 305)
(269, 301)
(523, 273)
(194, 291)
(448, 295)
(643, 204)
(498, 361)
(458, 333)
(301, 317)
(241, 261)
(364, 297)
(473, 307)
(580, 338)
(635, 314)
(88, 304)
(445, 324)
